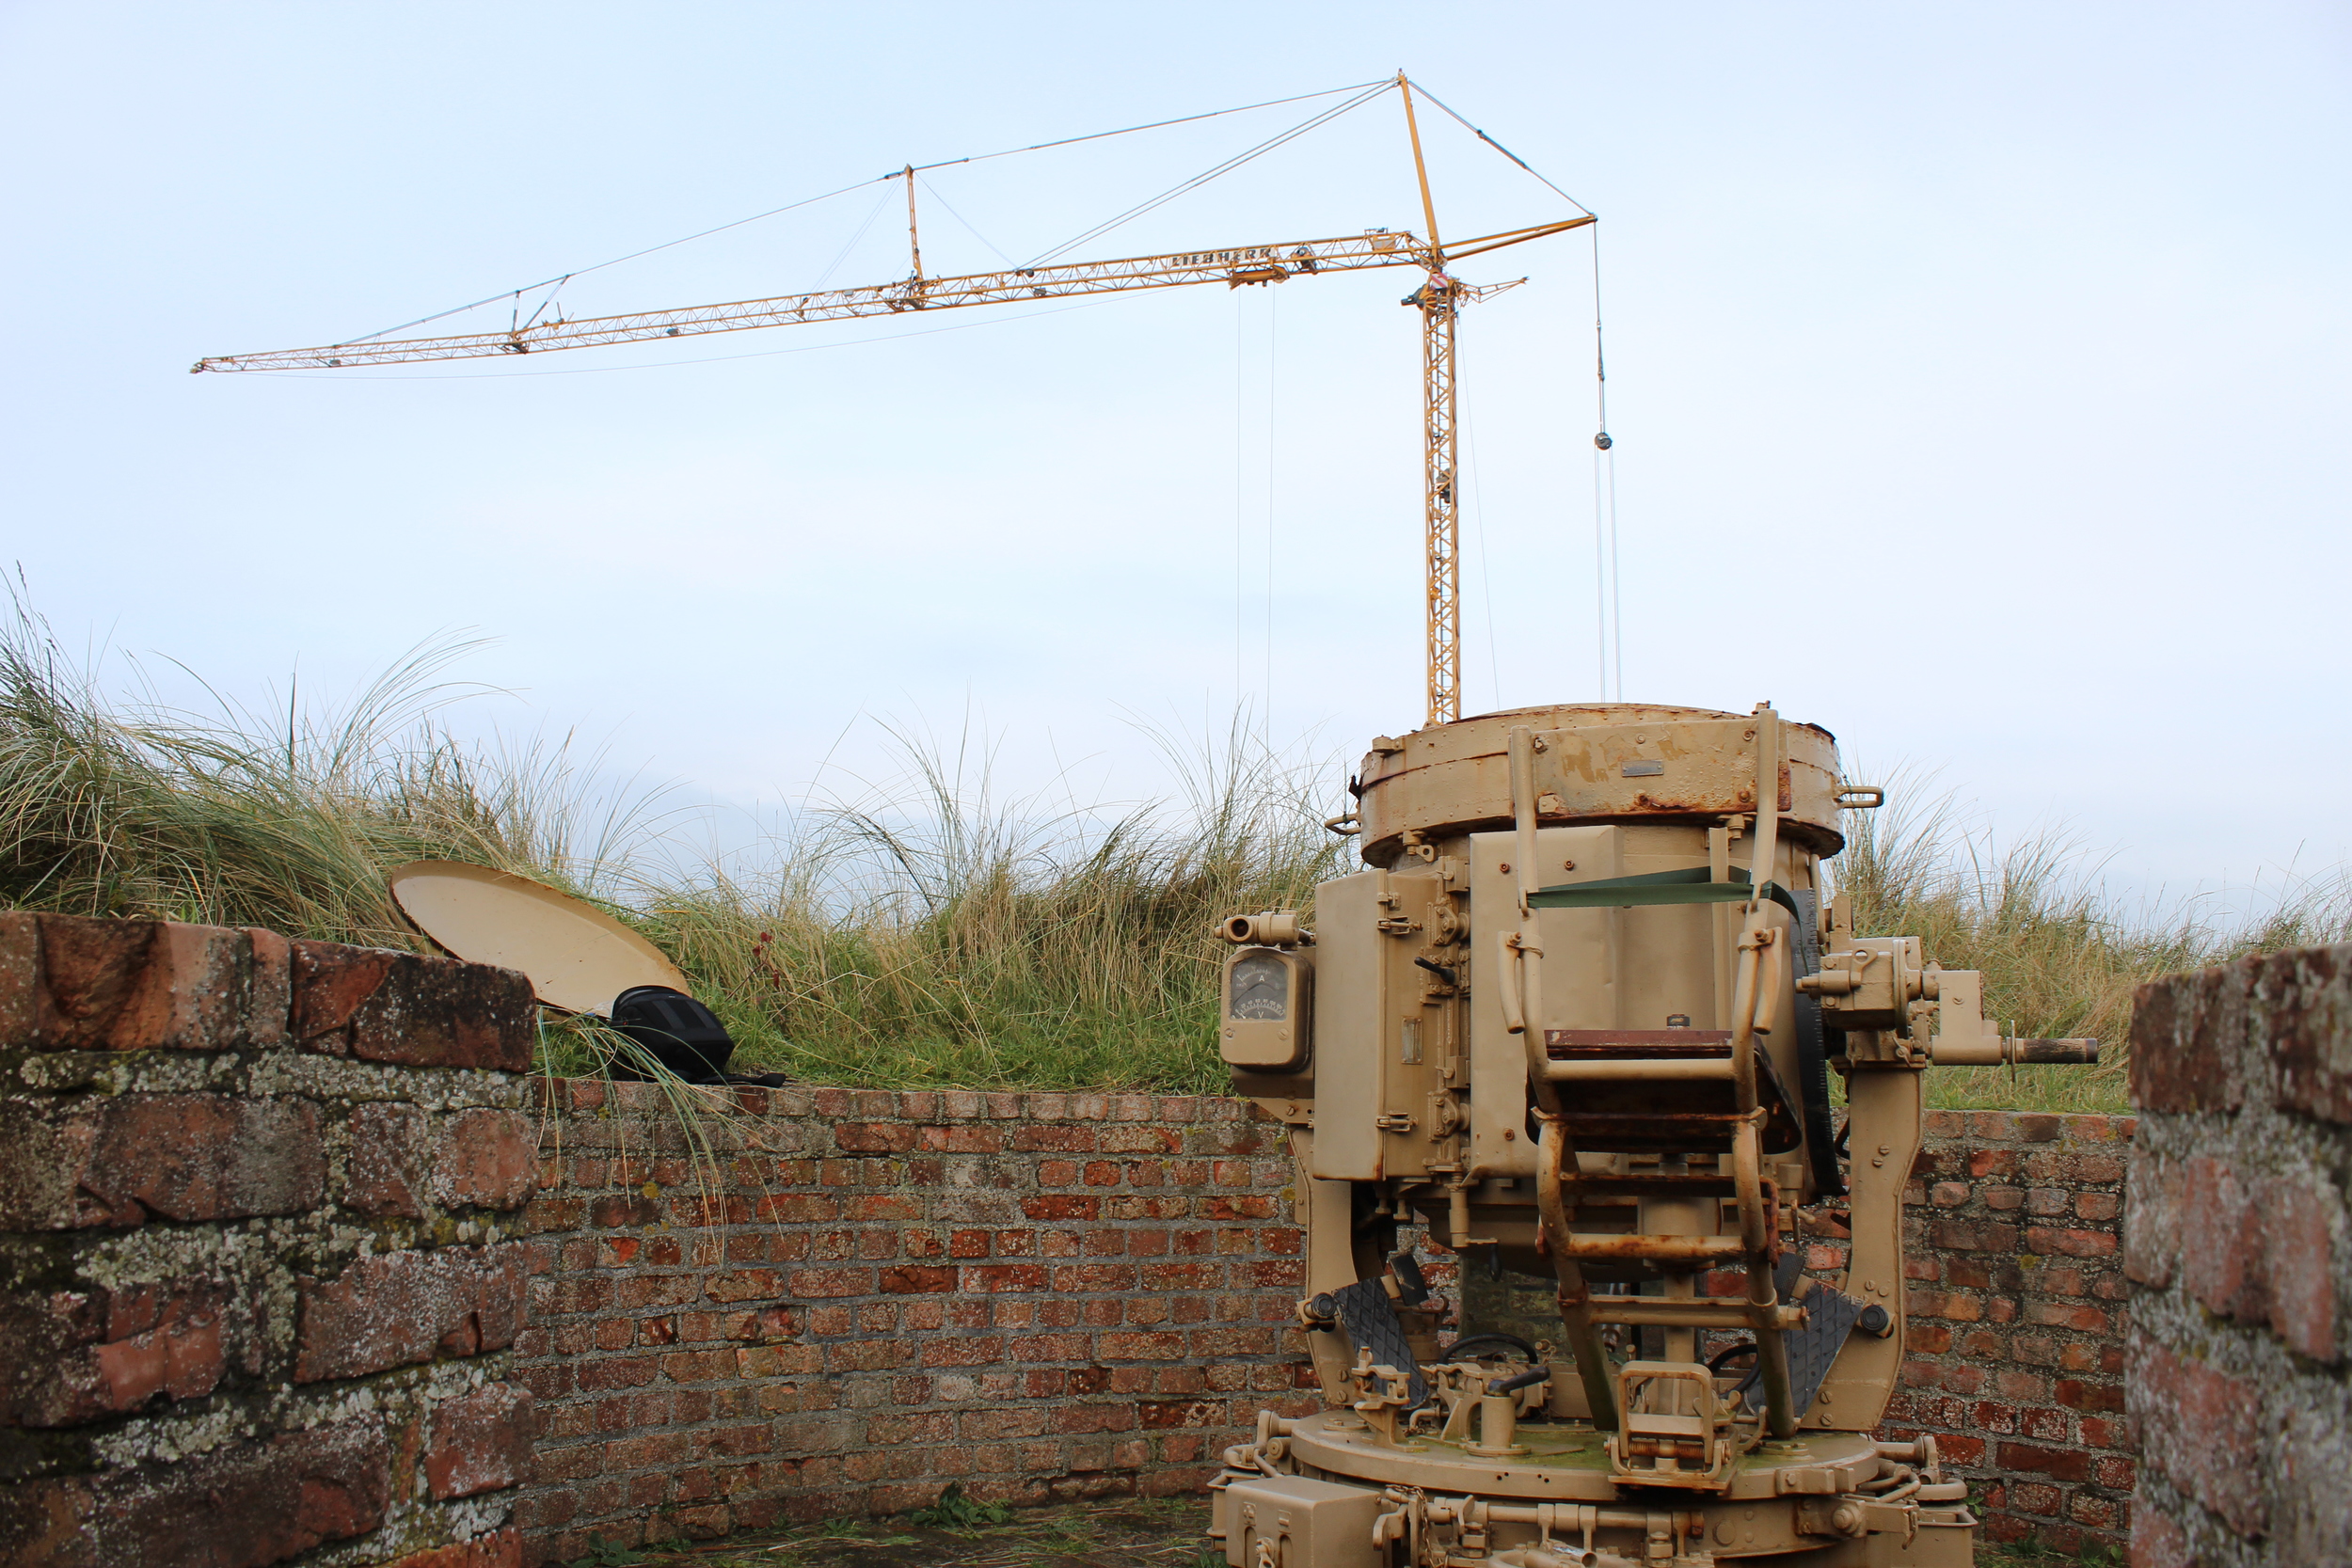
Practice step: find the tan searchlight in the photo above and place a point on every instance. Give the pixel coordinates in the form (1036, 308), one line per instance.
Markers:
(576, 956)
(580, 960)
(1577, 1022)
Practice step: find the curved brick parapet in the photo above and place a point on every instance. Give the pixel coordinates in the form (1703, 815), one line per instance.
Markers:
(258, 1266)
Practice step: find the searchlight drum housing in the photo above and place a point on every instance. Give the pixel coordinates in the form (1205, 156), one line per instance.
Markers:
(1575, 1022)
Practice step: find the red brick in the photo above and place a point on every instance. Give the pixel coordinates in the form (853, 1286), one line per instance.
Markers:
(2187, 1039)
(2298, 1225)
(488, 1159)
(410, 1009)
(242, 1506)
(2066, 1465)
(2077, 1395)
(135, 985)
(67, 1357)
(399, 1309)
(821, 1282)
(119, 1160)
(391, 1156)
(868, 1137)
(2247, 1247)
(2070, 1243)
(2198, 1425)
(481, 1443)
(915, 1278)
(1004, 1277)
(1961, 1236)
(2157, 1542)
(2307, 1006)
(1140, 1347)
(2055, 1314)
(2152, 1221)
(617, 1210)
(1061, 1140)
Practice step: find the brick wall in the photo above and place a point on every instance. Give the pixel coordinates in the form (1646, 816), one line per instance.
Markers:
(2015, 1311)
(264, 1261)
(256, 1284)
(2237, 1246)
(1037, 1295)
(1054, 1295)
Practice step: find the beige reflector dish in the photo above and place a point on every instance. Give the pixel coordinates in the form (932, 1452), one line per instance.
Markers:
(578, 957)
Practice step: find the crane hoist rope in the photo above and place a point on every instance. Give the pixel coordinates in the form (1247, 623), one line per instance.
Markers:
(1439, 300)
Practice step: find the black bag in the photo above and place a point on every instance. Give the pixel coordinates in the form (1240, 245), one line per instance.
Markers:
(674, 1030)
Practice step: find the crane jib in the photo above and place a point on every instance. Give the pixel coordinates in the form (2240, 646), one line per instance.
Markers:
(1234, 265)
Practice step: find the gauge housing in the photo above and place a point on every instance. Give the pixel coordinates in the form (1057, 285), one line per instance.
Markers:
(1265, 1009)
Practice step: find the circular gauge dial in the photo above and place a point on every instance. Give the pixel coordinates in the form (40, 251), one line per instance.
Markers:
(1261, 989)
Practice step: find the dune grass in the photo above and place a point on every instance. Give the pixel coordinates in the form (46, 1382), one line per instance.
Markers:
(925, 932)
(2059, 958)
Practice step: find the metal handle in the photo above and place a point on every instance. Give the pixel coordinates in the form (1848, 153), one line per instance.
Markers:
(1338, 825)
(1512, 977)
(1849, 796)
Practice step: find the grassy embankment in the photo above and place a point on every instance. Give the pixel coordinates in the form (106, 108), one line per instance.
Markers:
(933, 938)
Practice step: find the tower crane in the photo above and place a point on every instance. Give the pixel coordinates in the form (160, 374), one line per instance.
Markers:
(1439, 300)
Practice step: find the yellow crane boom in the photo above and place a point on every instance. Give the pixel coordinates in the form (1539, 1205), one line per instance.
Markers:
(1233, 266)
(1440, 299)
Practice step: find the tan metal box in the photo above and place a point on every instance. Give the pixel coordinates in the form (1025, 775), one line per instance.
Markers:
(1306, 1524)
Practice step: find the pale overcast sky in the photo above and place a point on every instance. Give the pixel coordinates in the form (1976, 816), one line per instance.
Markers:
(1979, 374)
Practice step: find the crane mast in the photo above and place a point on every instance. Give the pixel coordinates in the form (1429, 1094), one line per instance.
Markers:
(1439, 300)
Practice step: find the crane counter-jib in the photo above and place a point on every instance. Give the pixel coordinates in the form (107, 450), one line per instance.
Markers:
(1233, 266)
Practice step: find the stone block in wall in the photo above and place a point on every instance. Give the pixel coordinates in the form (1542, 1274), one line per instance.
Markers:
(70, 984)
(481, 1443)
(403, 1161)
(118, 1160)
(2239, 1245)
(399, 1309)
(2269, 1031)
(405, 1007)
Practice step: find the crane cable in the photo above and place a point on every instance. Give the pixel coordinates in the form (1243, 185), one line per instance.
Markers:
(1506, 151)
(1201, 178)
(1605, 462)
(561, 279)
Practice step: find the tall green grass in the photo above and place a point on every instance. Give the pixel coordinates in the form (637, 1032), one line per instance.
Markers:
(926, 932)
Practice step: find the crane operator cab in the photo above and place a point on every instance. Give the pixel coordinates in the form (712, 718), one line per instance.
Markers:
(1577, 1023)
